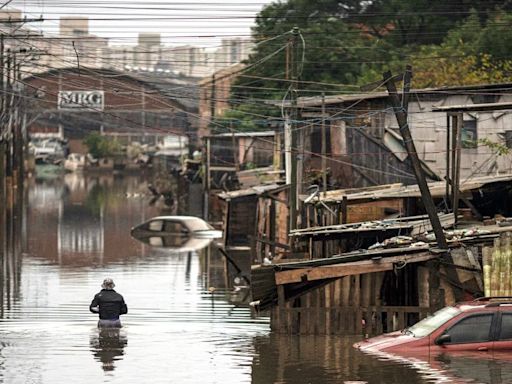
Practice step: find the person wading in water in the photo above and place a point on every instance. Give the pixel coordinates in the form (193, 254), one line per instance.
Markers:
(109, 305)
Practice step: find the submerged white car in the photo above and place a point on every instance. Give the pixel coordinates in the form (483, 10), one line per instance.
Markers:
(175, 232)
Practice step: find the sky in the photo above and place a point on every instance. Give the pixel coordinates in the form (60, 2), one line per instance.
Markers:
(180, 22)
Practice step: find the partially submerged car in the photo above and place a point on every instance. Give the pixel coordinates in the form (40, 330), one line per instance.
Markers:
(481, 325)
(180, 232)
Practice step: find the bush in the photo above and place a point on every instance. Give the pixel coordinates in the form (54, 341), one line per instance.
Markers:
(100, 146)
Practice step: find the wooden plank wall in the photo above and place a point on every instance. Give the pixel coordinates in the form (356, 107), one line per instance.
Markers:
(242, 221)
(271, 225)
(349, 305)
(374, 163)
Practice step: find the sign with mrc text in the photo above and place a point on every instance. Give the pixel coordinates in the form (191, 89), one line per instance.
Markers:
(89, 100)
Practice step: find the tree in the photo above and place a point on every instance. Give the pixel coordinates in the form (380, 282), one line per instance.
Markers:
(348, 43)
(100, 146)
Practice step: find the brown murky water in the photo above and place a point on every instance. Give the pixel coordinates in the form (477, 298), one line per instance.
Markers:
(183, 326)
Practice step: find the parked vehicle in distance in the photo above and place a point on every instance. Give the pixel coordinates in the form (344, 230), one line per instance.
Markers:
(180, 226)
(480, 326)
(75, 162)
(47, 150)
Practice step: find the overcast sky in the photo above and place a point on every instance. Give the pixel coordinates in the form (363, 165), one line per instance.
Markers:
(196, 22)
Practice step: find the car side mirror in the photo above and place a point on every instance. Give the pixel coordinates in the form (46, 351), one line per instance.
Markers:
(445, 338)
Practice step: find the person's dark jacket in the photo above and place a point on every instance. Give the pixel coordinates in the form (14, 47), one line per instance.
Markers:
(110, 303)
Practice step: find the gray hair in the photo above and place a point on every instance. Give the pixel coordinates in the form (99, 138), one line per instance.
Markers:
(108, 283)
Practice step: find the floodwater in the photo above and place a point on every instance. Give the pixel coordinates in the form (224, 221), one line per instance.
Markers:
(183, 325)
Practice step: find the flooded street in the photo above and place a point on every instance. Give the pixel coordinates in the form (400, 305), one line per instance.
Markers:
(183, 325)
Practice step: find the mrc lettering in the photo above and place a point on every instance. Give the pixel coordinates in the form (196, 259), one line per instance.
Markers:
(81, 99)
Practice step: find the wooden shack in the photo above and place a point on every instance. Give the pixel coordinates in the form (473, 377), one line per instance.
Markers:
(365, 148)
(383, 274)
(236, 161)
(397, 207)
(254, 224)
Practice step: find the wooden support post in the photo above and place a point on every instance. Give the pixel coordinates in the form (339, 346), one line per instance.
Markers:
(448, 176)
(453, 155)
(435, 293)
(456, 176)
(324, 148)
(344, 210)
(294, 132)
(206, 180)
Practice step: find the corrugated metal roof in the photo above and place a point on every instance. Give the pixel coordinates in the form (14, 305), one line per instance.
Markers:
(391, 191)
(256, 190)
(303, 102)
(244, 134)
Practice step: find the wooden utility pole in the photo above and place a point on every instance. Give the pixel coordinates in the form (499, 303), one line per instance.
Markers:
(457, 137)
(324, 147)
(212, 100)
(8, 118)
(2, 150)
(293, 130)
(447, 197)
(401, 116)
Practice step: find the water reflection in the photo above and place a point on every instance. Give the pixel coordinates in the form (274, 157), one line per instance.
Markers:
(107, 346)
(87, 223)
(185, 323)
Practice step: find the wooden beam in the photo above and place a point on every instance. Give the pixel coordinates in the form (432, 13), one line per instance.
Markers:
(403, 124)
(348, 269)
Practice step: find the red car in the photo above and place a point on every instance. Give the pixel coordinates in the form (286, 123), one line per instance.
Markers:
(477, 326)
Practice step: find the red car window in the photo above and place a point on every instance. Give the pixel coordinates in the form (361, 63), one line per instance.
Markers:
(471, 329)
(506, 327)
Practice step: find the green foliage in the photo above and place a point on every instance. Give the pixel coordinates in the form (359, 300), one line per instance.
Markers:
(100, 146)
(497, 148)
(350, 43)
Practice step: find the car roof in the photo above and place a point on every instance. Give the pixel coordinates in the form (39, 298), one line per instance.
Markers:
(485, 302)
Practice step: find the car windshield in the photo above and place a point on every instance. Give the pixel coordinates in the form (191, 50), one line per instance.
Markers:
(429, 324)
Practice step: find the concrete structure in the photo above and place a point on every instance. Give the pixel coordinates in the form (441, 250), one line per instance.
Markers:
(214, 95)
(76, 46)
(73, 103)
(232, 51)
(74, 26)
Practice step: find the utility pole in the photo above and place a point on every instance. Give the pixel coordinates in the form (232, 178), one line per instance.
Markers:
(212, 100)
(8, 118)
(324, 148)
(206, 156)
(2, 153)
(293, 131)
(2, 125)
(401, 116)
(457, 138)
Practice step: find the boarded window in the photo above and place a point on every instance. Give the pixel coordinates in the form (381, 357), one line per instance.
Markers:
(316, 140)
(469, 134)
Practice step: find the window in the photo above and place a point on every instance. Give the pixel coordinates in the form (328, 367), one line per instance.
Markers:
(471, 329)
(174, 227)
(508, 139)
(156, 226)
(469, 135)
(506, 327)
(430, 324)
